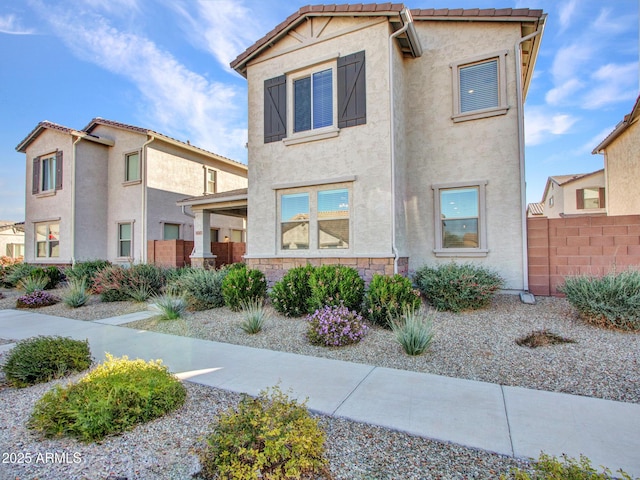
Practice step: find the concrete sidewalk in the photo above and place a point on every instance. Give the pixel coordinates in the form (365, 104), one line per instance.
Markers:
(508, 420)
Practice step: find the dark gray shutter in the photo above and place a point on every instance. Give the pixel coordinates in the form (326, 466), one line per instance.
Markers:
(275, 109)
(36, 176)
(601, 195)
(59, 170)
(580, 198)
(352, 95)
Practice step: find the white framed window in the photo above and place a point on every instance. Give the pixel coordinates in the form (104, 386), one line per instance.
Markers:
(15, 250)
(132, 167)
(590, 198)
(236, 235)
(48, 240)
(125, 240)
(170, 231)
(48, 173)
(460, 219)
(315, 218)
(210, 178)
(480, 87)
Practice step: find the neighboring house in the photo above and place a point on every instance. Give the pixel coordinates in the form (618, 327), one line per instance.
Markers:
(579, 194)
(621, 150)
(535, 210)
(104, 191)
(387, 139)
(11, 239)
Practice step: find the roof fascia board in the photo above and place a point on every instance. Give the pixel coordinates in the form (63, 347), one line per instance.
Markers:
(234, 201)
(626, 122)
(192, 148)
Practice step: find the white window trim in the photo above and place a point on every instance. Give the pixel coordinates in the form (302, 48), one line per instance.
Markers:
(206, 180)
(123, 222)
(313, 134)
(48, 223)
(502, 107)
(313, 249)
(52, 190)
(126, 158)
(482, 250)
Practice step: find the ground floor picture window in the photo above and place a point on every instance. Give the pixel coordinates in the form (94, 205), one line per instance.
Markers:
(48, 240)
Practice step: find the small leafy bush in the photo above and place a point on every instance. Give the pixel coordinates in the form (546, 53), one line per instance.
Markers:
(16, 272)
(170, 307)
(335, 285)
(333, 326)
(111, 283)
(389, 296)
(290, 295)
(202, 288)
(270, 437)
(76, 294)
(413, 330)
(87, 270)
(139, 282)
(148, 277)
(32, 283)
(456, 287)
(52, 273)
(40, 359)
(254, 316)
(114, 397)
(37, 299)
(548, 467)
(612, 301)
(243, 284)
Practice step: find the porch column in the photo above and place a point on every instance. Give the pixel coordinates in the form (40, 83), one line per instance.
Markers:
(202, 256)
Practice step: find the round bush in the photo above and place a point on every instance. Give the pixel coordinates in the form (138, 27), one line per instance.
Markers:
(333, 326)
(36, 299)
(114, 397)
(242, 285)
(335, 285)
(289, 296)
(202, 288)
(40, 359)
(266, 437)
(457, 287)
(388, 296)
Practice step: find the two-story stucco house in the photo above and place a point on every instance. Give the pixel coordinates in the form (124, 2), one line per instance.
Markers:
(579, 194)
(387, 138)
(104, 191)
(621, 150)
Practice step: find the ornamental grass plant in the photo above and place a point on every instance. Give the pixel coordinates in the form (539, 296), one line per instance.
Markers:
(413, 330)
(254, 315)
(170, 307)
(77, 293)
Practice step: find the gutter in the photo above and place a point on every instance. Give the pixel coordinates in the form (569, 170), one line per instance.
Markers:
(523, 183)
(143, 213)
(73, 198)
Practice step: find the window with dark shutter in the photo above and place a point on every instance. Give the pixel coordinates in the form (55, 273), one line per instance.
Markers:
(36, 176)
(275, 109)
(59, 170)
(352, 101)
(601, 195)
(580, 198)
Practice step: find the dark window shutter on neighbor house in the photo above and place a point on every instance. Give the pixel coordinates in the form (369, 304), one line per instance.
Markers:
(601, 195)
(59, 170)
(36, 176)
(275, 109)
(580, 198)
(352, 98)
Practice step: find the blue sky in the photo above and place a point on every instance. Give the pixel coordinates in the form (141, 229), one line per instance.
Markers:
(164, 65)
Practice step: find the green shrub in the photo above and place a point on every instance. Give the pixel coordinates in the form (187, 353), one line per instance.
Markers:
(111, 283)
(548, 467)
(335, 285)
(413, 330)
(138, 282)
(270, 436)
(52, 273)
(202, 288)
(254, 315)
(611, 301)
(335, 327)
(170, 307)
(32, 283)
(40, 359)
(14, 273)
(76, 293)
(290, 295)
(242, 284)
(87, 270)
(112, 398)
(456, 287)
(389, 296)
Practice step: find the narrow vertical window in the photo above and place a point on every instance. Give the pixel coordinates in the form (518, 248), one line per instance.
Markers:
(209, 180)
(333, 218)
(48, 174)
(294, 221)
(132, 167)
(313, 101)
(124, 239)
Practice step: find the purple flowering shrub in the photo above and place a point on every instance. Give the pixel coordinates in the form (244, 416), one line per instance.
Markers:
(37, 299)
(335, 326)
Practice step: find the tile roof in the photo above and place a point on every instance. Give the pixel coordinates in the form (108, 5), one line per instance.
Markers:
(33, 134)
(536, 208)
(381, 9)
(564, 179)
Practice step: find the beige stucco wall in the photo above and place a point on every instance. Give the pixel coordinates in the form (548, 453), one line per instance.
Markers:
(622, 163)
(9, 236)
(554, 192)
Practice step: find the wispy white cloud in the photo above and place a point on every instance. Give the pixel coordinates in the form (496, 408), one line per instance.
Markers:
(594, 141)
(542, 124)
(557, 95)
(607, 23)
(566, 13)
(612, 83)
(10, 24)
(175, 100)
(121, 7)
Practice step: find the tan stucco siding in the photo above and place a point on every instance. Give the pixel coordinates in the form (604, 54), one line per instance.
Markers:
(622, 159)
(440, 151)
(556, 193)
(360, 151)
(570, 197)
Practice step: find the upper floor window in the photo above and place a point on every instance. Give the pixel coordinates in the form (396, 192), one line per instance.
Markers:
(132, 167)
(47, 240)
(47, 173)
(313, 101)
(209, 180)
(590, 198)
(479, 87)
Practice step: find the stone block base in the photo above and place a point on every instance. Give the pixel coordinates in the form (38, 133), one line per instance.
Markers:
(208, 263)
(275, 268)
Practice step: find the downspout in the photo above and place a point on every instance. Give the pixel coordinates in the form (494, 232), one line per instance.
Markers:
(184, 212)
(523, 183)
(392, 138)
(73, 200)
(143, 214)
